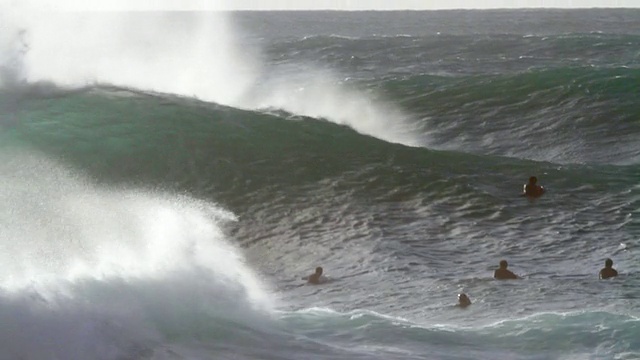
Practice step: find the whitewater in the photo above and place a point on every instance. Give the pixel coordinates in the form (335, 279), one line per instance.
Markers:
(168, 179)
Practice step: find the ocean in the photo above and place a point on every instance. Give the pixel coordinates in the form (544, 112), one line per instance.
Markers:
(168, 179)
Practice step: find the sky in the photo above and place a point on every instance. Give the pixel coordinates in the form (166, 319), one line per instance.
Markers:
(191, 5)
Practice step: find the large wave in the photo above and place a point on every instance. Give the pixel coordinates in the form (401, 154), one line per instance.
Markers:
(91, 272)
(199, 55)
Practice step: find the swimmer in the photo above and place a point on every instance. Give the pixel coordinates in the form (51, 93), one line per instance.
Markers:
(608, 271)
(463, 300)
(532, 189)
(502, 273)
(316, 278)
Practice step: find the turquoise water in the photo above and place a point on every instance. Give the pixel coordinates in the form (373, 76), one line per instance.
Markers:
(163, 196)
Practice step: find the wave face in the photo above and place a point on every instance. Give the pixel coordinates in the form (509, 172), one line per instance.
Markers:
(163, 195)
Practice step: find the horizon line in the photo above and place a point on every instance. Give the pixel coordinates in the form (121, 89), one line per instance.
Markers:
(337, 10)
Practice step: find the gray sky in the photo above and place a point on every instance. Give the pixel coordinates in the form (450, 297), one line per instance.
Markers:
(319, 4)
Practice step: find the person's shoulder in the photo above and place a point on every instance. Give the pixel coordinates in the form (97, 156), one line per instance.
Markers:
(511, 274)
(505, 274)
(606, 273)
(317, 280)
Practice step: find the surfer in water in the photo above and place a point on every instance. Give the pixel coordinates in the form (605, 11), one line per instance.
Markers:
(503, 274)
(608, 271)
(463, 300)
(316, 278)
(532, 189)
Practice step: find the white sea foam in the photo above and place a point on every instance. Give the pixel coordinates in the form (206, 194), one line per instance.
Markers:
(89, 272)
(195, 54)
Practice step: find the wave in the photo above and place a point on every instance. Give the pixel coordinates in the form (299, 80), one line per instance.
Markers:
(265, 166)
(105, 272)
(205, 60)
(181, 144)
(121, 196)
(588, 333)
(525, 104)
(564, 115)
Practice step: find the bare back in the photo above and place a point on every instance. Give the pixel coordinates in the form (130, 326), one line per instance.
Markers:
(504, 274)
(606, 273)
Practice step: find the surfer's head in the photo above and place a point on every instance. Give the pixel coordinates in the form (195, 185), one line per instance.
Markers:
(319, 270)
(463, 300)
(608, 263)
(503, 264)
(533, 180)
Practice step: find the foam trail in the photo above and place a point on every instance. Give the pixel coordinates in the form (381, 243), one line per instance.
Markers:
(195, 54)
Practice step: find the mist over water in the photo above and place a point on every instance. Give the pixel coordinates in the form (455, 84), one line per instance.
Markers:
(190, 55)
(91, 272)
(58, 226)
(196, 54)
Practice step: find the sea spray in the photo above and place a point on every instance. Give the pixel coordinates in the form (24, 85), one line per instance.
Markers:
(194, 54)
(89, 272)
